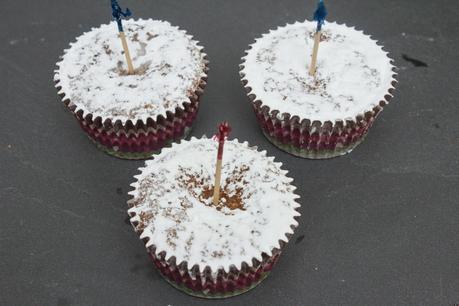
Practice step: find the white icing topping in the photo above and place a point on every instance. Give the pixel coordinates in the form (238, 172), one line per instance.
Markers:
(169, 67)
(353, 72)
(190, 228)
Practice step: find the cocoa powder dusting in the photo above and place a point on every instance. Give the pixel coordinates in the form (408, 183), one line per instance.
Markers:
(232, 198)
(144, 218)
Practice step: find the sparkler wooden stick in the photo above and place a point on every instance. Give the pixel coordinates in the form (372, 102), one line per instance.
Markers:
(223, 131)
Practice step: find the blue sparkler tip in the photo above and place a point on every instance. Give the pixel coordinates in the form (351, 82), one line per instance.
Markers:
(115, 6)
(118, 13)
(320, 14)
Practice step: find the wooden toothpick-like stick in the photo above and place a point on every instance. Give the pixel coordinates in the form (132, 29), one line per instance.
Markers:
(223, 131)
(315, 51)
(126, 53)
(218, 177)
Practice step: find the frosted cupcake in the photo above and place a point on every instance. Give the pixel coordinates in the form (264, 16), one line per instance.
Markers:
(133, 116)
(319, 116)
(209, 250)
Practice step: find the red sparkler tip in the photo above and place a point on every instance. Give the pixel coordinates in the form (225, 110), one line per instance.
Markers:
(223, 131)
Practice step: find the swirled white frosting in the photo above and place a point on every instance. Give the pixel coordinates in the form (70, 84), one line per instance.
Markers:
(169, 66)
(169, 207)
(353, 72)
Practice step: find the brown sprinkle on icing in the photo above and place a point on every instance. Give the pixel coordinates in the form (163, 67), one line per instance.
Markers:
(232, 199)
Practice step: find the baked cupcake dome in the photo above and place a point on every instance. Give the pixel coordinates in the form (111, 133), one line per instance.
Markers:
(322, 116)
(206, 250)
(133, 116)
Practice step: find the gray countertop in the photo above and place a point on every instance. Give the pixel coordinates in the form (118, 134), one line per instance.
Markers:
(379, 226)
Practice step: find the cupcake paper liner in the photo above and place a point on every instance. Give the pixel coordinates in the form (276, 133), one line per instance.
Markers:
(141, 141)
(142, 138)
(202, 281)
(313, 139)
(202, 284)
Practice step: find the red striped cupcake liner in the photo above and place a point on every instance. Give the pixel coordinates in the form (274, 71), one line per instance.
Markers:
(225, 284)
(142, 140)
(206, 284)
(139, 140)
(305, 138)
(313, 139)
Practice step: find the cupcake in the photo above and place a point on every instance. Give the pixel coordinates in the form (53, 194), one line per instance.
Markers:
(323, 115)
(133, 115)
(205, 249)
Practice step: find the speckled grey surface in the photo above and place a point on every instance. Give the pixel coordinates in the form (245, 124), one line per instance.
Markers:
(379, 226)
